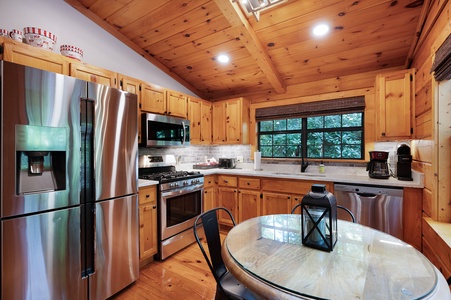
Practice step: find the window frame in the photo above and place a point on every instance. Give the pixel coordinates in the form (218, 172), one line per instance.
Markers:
(304, 131)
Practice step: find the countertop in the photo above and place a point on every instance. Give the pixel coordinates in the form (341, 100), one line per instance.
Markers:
(349, 175)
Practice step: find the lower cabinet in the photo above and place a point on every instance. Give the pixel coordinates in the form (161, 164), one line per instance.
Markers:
(147, 224)
(278, 203)
(209, 193)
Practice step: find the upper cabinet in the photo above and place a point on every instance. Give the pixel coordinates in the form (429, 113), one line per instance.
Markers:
(395, 98)
(132, 85)
(176, 104)
(153, 98)
(30, 56)
(231, 121)
(92, 73)
(199, 114)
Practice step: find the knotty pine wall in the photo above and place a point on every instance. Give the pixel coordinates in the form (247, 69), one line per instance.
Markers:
(436, 30)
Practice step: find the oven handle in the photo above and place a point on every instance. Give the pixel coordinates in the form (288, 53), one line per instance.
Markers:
(181, 191)
(184, 133)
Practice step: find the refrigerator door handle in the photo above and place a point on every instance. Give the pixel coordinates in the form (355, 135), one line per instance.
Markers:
(184, 134)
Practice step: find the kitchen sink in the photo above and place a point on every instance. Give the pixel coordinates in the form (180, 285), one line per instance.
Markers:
(300, 174)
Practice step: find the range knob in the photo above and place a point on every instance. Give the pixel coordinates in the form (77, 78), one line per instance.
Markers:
(185, 182)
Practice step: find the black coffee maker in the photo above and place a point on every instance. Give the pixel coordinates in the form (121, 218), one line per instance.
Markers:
(378, 166)
(404, 164)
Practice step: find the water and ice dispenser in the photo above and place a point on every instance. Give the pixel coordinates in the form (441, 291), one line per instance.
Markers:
(40, 159)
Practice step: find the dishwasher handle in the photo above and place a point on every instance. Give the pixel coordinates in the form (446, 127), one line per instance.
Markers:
(369, 195)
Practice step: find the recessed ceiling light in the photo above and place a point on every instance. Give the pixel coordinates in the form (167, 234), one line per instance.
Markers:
(321, 29)
(222, 58)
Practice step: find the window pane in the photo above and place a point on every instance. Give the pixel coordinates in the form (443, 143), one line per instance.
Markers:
(280, 139)
(265, 139)
(352, 137)
(294, 124)
(332, 151)
(353, 120)
(266, 151)
(332, 121)
(293, 139)
(266, 126)
(291, 151)
(280, 125)
(351, 151)
(279, 151)
(315, 122)
(315, 145)
(332, 138)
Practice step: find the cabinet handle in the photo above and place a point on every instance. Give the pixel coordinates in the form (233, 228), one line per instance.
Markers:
(288, 197)
(147, 196)
(383, 133)
(154, 207)
(248, 183)
(226, 181)
(234, 191)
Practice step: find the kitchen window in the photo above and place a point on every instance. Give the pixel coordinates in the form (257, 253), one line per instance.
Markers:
(308, 128)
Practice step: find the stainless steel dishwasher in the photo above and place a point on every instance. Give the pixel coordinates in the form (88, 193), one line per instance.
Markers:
(377, 207)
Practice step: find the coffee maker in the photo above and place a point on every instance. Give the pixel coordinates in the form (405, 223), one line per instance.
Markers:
(404, 164)
(378, 166)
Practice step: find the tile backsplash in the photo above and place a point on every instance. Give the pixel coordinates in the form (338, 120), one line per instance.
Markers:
(196, 154)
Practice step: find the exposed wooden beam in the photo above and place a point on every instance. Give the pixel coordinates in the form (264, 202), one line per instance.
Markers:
(113, 31)
(232, 12)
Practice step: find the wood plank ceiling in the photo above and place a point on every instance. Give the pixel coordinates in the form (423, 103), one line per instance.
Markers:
(184, 37)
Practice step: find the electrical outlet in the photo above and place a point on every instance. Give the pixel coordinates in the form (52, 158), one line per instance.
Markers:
(240, 158)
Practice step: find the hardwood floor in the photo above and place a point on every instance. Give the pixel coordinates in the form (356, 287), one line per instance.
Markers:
(184, 275)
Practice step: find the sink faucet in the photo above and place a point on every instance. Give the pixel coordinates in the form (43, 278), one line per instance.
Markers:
(301, 154)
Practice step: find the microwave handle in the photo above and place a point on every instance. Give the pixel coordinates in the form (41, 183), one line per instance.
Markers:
(184, 133)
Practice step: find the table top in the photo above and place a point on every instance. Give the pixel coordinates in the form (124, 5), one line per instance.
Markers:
(364, 264)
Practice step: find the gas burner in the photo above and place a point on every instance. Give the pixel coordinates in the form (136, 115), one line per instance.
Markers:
(166, 174)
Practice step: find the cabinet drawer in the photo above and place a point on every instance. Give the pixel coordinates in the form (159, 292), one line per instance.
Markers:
(249, 183)
(224, 180)
(147, 194)
(209, 181)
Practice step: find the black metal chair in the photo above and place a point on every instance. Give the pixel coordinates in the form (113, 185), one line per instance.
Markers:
(338, 206)
(228, 287)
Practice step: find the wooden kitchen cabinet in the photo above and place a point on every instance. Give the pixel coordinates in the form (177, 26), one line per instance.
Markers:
(132, 85)
(153, 98)
(228, 198)
(231, 121)
(395, 98)
(147, 224)
(176, 104)
(249, 198)
(92, 73)
(209, 192)
(200, 116)
(30, 56)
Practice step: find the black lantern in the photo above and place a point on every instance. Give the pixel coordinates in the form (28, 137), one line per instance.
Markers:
(319, 218)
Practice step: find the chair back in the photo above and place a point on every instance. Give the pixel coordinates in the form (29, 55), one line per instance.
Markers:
(209, 221)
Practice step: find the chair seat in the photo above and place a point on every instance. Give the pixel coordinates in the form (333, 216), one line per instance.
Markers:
(235, 289)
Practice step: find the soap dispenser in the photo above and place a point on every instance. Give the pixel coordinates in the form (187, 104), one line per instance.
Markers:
(322, 168)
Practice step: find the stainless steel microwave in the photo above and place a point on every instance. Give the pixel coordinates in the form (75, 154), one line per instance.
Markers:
(164, 131)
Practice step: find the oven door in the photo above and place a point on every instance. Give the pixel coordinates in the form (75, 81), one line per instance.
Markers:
(178, 210)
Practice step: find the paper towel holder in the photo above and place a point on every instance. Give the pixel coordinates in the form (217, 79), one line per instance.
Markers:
(257, 161)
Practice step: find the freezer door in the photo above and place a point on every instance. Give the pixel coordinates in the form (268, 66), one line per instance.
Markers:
(41, 257)
(117, 251)
(115, 141)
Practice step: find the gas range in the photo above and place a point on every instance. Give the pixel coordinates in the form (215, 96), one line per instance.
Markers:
(167, 175)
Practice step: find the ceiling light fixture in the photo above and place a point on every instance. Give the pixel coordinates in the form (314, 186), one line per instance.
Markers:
(255, 6)
(223, 58)
(321, 29)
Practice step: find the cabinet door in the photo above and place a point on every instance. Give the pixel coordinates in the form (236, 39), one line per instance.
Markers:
(233, 121)
(153, 99)
(249, 204)
(195, 118)
(30, 56)
(394, 105)
(274, 203)
(206, 123)
(176, 104)
(228, 198)
(219, 123)
(295, 200)
(209, 198)
(147, 230)
(132, 85)
(94, 74)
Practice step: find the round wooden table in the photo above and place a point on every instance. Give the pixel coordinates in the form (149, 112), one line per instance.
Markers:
(266, 254)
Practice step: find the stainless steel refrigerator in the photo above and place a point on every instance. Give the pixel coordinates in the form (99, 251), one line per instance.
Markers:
(69, 204)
